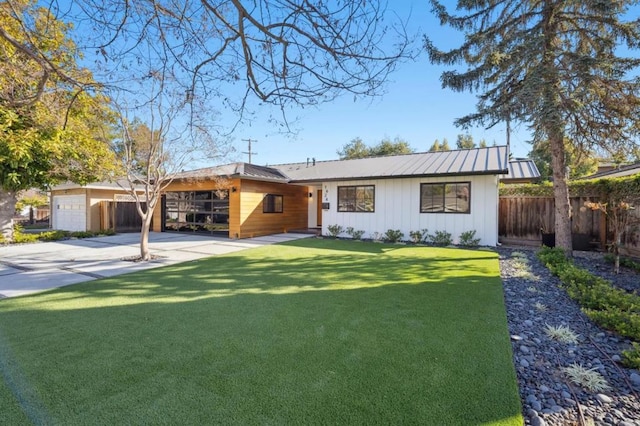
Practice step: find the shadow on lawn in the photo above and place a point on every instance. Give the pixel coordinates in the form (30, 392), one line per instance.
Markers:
(404, 341)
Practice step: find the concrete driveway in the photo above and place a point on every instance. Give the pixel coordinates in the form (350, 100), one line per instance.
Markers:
(30, 268)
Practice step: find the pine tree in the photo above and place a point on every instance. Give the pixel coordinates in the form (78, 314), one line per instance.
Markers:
(554, 65)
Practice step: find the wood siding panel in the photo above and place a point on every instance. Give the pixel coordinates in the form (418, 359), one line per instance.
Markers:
(252, 220)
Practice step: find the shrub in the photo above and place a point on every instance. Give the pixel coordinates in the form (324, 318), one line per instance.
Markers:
(440, 238)
(587, 378)
(356, 235)
(418, 236)
(335, 230)
(52, 235)
(467, 239)
(376, 236)
(393, 235)
(608, 306)
(624, 261)
(561, 333)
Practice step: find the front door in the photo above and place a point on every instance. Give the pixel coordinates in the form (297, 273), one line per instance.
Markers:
(319, 207)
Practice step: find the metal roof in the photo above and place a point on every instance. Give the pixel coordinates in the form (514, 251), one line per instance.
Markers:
(243, 170)
(521, 169)
(622, 171)
(478, 161)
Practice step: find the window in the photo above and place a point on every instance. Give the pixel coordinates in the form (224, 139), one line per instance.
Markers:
(445, 197)
(356, 198)
(272, 203)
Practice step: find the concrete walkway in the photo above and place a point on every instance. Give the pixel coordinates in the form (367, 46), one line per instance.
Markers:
(30, 268)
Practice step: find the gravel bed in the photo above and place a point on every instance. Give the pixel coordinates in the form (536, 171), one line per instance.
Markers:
(534, 299)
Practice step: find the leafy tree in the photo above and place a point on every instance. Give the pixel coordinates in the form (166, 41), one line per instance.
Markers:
(358, 149)
(436, 146)
(579, 163)
(354, 149)
(445, 145)
(482, 143)
(51, 129)
(465, 142)
(555, 65)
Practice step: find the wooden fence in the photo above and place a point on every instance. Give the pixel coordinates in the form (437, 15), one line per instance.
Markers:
(120, 216)
(521, 221)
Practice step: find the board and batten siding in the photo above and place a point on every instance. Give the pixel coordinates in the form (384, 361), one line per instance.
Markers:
(397, 206)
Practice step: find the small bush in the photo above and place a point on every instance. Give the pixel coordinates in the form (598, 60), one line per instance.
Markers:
(467, 239)
(440, 238)
(561, 333)
(53, 235)
(20, 238)
(376, 236)
(587, 378)
(418, 236)
(335, 230)
(610, 307)
(624, 261)
(356, 235)
(393, 235)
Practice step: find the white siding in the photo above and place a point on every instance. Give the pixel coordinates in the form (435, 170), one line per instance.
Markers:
(397, 206)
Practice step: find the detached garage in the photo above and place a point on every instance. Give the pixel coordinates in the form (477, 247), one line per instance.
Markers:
(69, 212)
(82, 207)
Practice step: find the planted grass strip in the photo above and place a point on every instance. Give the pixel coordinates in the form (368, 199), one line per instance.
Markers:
(308, 332)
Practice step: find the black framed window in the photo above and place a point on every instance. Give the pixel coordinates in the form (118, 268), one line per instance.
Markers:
(357, 198)
(452, 197)
(272, 203)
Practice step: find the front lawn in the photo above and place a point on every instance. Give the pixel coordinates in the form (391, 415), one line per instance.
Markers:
(308, 332)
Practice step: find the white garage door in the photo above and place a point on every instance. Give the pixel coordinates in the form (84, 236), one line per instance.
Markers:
(69, 213)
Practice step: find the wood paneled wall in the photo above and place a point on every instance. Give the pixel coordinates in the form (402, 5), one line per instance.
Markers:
(252, 222)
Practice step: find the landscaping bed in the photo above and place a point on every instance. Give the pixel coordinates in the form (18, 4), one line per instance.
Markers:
(536, 301)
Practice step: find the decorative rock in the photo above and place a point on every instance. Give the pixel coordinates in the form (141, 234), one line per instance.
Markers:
(537, 421)
(616, 358)
(516, 338)
(528, 323)
(544, 388)
(531, 397)
(557, 409)
(566, 395)
(524, 363)
(524, 349)
(536, 405)
(635, 379)
(604, 398)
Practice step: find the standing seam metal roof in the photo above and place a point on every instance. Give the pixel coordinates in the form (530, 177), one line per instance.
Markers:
(490, 160)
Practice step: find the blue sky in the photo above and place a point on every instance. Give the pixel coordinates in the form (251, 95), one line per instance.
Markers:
(414, 108)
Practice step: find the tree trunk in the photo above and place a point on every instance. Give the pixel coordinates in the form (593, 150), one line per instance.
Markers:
(561, 195)
(144, 235)
(8, 201)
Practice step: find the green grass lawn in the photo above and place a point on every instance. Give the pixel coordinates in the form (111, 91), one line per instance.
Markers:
(308, 332)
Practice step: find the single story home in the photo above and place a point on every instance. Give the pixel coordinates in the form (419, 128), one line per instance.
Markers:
(452, 191)
(616, 171)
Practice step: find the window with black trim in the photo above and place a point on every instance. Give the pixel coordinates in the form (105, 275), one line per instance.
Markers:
(452, 197)
(272, 203)
(357, 198)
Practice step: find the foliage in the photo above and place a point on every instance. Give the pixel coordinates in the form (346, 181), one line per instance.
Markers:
(437, 146)
(535, 63)
(624, 261)
(440, 238)
(619, 212)
(587, 378)
(357, 149)
(467, 239)
(608, 306)
(579, 163)
(353, 233)
(21, 237)
(393, 235)
(335, 230)
(465, 141)
(54, 122)
(418, 237)
(561, 333)
(619, 188)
